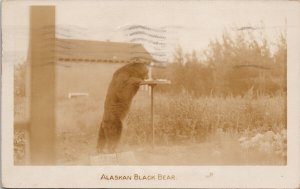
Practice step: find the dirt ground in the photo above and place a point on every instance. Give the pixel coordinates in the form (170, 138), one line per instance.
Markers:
(212, 152)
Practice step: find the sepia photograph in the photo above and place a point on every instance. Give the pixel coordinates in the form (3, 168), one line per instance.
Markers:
(140, 86)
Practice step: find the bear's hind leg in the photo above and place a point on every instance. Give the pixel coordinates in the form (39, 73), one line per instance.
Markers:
(113, 134)
(101, 140)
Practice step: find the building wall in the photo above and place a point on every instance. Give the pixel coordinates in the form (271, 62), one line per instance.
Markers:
(91, 78)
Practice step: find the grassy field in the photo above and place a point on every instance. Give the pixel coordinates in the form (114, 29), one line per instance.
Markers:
(210, 130)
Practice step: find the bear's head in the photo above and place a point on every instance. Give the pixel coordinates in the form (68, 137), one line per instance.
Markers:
(138, 70)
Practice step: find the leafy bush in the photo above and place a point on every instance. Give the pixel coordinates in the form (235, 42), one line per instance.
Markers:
(268, 142)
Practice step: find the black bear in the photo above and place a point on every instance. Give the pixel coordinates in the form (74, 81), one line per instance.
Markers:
(123, 87)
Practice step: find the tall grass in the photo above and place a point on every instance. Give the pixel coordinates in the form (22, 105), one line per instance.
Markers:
(183, 118)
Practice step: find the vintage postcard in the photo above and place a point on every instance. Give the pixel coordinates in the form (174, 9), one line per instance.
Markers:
(148, 94)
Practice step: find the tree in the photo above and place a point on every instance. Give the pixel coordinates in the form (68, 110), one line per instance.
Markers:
(231, 65)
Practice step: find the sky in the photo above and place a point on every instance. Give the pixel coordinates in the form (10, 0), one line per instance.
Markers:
(189, 24)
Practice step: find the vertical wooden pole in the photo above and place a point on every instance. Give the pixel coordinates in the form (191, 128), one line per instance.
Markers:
(150, 78)
(152, 115)
(42, 84)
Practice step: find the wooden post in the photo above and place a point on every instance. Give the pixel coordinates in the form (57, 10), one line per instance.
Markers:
(152, 84)
(152, 115)
(42, 84)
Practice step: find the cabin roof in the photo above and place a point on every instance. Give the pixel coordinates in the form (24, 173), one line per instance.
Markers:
(100, 51)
